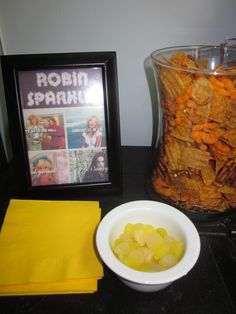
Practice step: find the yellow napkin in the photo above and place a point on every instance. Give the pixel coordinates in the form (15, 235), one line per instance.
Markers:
(47, 247)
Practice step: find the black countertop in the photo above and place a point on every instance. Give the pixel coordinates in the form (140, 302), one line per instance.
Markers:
(208, 288)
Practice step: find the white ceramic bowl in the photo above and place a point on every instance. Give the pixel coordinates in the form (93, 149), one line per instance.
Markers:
(159, 215)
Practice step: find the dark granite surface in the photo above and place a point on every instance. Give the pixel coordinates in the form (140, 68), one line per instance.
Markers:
(208, 288)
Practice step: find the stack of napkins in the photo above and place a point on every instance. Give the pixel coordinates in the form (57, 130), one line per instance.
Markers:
(47, 247)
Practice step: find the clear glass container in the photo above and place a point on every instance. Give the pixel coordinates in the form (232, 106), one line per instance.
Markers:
(195, 158)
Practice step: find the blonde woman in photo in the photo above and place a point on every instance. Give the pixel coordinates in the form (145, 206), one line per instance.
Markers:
(92, 136)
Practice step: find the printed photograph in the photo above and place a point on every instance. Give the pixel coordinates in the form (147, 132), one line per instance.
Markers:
(89, 165)
(45, 131)
(85, 128)
(48, 168)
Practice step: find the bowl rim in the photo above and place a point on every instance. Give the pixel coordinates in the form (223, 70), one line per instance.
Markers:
(151, 278)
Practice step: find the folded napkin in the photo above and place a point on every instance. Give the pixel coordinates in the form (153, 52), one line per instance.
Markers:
(47, 247)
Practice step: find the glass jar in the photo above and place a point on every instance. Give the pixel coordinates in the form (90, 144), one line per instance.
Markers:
(195, 160)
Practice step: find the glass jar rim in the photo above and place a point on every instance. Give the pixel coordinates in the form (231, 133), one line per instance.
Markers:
(161, 52)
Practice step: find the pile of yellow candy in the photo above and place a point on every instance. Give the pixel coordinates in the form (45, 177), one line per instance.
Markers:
(146, 248)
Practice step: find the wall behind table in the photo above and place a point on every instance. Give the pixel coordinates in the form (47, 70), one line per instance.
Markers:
(4, 130)
(132, 28)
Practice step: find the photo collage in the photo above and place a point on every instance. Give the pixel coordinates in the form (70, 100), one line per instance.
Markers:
(66, 143)
(68, 146)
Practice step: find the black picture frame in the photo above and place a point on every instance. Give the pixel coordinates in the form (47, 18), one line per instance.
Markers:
(49, 97)
(3, 158)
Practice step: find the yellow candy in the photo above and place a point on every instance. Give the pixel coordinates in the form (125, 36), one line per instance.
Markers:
(177, 249)
(134, 258)
(168, 261)
(161, 251)
(141, 233)
(162, 232)
(130, 228)
(144, 248)
(154, 240)
(121, 250)
(147, 254)
(150, 267)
